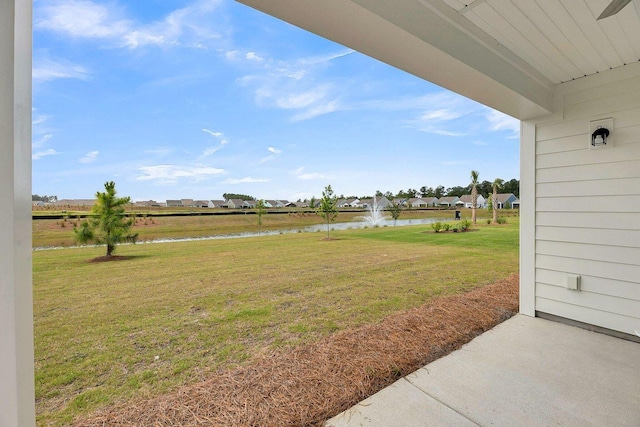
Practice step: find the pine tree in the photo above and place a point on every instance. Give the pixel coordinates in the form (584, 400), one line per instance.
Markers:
(107, 225)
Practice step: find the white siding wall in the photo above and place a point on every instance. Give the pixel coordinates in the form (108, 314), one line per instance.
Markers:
(587, 217)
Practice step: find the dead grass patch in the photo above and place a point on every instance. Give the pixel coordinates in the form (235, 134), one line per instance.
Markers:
(311, 383)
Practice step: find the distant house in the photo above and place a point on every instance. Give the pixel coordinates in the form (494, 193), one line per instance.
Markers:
(430, 201)
(416, 202)
(250, 204)
(234, 204)
(505, 200)
(215, 203)
(466, 202)
(339, 204)
(189, 203)
(381, 201)
(201, 203)
(516, 204)
(146, 203)
(448, 201)
(399, 201)
(347, 203)
(74, 202)
(274, 203)
(174, 203)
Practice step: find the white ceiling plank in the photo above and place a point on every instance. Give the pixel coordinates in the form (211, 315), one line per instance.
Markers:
(514, 40)
(585, 18)
(531, 32)
(559, 14)
(615, 34)
(629, 23)
(457, 5)
(494, 33)
(555, 35)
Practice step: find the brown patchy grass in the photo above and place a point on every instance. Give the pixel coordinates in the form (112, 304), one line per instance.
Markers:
(314, 382)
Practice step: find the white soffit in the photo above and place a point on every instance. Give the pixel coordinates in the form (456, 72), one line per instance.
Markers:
(561, 38)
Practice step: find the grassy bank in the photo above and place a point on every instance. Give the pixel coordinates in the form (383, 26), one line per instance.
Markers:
(171, 314)
(59, 232)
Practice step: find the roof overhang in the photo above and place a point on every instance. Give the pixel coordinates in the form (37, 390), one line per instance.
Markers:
(427, 39)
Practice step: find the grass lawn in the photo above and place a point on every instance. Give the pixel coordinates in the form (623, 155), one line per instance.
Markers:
(173, 313)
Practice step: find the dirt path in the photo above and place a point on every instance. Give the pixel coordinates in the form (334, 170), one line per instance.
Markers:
(310, 384)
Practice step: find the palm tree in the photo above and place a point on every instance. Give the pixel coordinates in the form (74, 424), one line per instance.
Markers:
(494, 198)
(474, 194)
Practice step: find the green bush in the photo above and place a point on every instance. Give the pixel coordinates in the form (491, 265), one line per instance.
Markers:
(465, 224)
(502, 220)
(446, 226)
(437, 226)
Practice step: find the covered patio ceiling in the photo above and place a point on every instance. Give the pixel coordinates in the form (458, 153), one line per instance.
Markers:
(507, 54)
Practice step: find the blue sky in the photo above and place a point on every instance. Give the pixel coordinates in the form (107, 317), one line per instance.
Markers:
(196, 99)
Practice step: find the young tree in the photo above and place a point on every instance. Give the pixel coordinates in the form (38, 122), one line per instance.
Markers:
(497, 184)
(395, 209)
(474, 194)
(108, 224)
(327, 206)
(260, 210)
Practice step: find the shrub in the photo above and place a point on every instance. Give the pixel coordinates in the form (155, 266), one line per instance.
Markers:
(437, 226)
(465, 224)
(446, 227)
(488, 221)
(502, 220)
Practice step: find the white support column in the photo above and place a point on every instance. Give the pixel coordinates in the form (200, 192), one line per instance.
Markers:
(527, 218)
(17, 401)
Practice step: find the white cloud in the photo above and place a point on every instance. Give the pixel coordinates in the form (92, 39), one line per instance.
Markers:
(40, 154)
(81, 18)
(39, 119)
(46, 70)
(292, 84)
(162, 151)
(308, 176)
(87, 19)
(212, 150)
(172, 173)
(441, 115)
(212, 133)
(499, 121)
(252, 56)
(317, 110)
(274, 152)
(43, 140)
(89, 157)
(246, 180)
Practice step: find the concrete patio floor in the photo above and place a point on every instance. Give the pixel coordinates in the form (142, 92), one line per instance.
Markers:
(524, 372)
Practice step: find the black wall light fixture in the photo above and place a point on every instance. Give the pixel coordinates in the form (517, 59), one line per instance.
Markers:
(599, 136)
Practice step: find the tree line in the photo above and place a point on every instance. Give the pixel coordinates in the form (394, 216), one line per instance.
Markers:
(46, 199)
(484, 188)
